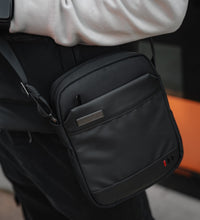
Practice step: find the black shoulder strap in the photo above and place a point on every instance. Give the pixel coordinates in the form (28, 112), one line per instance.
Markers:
(9, 55)
(42, 105)
(153, 59)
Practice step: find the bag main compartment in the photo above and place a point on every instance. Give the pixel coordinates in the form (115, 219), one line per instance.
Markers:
(121, 131)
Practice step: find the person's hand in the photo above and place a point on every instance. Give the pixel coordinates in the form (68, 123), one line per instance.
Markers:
(6, 14)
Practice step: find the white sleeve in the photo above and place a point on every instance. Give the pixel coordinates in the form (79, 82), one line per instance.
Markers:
(97, 22)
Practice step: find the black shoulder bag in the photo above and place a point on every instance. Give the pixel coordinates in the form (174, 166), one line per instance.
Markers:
(113, 116)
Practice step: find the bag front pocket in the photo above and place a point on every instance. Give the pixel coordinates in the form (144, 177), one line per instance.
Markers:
(113, 103)
(119, 133)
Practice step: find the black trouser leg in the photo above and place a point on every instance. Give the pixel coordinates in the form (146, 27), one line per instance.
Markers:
(45, 184)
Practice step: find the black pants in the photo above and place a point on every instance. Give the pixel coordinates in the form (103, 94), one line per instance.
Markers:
(45, 185)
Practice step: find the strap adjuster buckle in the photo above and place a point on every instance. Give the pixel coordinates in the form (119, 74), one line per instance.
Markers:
(25, 89)
(42, 105)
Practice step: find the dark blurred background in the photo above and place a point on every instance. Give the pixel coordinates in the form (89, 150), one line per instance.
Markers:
(178, 62)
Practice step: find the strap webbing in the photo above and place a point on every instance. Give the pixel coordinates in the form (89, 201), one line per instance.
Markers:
(43, 107)
(153, 59)
(9, 55)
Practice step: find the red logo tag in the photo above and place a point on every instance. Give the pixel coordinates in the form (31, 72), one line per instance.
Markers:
(164, 163)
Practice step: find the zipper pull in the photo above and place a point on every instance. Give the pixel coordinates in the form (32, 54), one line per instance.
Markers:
(78, 100)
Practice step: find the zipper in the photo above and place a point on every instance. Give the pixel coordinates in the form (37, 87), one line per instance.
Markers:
(56, 87)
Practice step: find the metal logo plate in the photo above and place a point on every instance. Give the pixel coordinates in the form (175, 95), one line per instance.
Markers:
(90, 118)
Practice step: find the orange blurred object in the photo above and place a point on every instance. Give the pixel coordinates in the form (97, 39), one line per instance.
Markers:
(187, 115)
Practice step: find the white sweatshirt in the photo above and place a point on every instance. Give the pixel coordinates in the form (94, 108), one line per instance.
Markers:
(97, 22)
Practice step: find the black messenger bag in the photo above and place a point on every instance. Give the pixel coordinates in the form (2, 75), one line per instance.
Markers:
(113, 116)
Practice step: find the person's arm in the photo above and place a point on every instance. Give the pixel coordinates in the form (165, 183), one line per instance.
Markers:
(97, 22)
